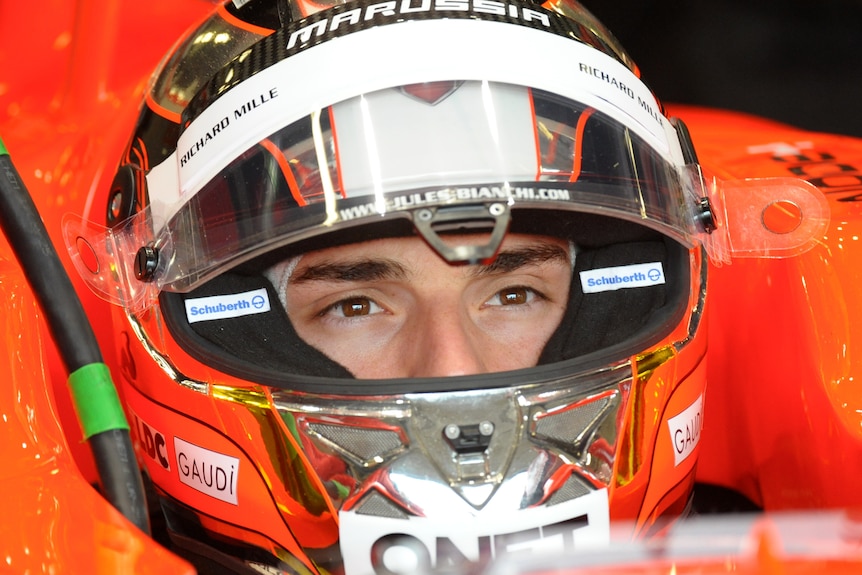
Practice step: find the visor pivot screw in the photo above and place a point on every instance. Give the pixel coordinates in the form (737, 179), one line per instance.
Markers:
(452, 431)
(424, 215)
(486, 428)
(145, 263)
(705, 216)
(496, 209)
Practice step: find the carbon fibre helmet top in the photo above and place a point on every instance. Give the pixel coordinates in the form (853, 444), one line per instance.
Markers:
(421, 283)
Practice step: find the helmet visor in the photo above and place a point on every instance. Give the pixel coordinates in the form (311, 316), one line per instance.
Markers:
(400, 152)
(450, 161)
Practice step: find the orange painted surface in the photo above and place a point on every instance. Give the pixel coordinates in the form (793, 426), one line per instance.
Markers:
(783, 407)
(70, 79)
(52, 519)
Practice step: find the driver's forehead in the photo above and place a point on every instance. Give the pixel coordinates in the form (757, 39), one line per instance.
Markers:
(414, 253)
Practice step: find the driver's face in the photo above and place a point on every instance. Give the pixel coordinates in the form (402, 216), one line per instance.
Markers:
(393, 308)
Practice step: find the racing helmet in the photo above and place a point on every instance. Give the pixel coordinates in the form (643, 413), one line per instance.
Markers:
(277, 141)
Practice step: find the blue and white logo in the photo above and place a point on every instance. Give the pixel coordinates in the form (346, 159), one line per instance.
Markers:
(622, 277)
(227, 306)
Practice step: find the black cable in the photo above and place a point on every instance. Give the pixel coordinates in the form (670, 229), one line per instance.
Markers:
(96, 402)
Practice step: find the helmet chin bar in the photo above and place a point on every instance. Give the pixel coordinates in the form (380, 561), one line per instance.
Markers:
(465, 465)
(467, 459)
(431, 222)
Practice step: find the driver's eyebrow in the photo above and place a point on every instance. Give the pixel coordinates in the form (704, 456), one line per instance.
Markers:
(373, 269)
(515, 258)
(365, 269)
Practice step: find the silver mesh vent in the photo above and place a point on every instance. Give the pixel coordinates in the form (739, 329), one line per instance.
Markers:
(364, 445)
(376, 504)
(569, 425)
(572, 489)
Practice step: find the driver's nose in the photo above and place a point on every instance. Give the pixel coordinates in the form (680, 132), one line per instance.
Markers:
(445, 344)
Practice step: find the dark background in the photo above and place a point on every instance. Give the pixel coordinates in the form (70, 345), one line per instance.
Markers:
(790, 60)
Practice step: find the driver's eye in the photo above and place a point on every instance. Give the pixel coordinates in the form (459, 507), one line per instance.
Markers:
(355, 307)
(514, 296)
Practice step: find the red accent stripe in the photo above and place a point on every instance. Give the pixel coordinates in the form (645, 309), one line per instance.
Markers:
(579, 141)
(270, 146)
(162, 111)
(242, 24)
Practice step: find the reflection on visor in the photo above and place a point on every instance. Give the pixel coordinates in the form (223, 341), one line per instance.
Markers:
(388, 154)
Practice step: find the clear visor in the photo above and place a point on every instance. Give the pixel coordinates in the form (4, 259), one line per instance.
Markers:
(441, 155)
(468, 152)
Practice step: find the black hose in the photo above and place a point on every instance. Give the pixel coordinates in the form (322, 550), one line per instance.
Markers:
(95, 396)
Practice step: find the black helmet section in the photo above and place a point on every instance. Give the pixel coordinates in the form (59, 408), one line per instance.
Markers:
(600, 327)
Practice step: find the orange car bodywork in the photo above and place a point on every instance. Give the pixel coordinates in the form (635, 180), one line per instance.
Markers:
(783, 410)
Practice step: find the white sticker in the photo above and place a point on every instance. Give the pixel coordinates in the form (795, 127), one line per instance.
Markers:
(209, 472)
(685, 430)
(226, 128)
(226, 306)
(372, 545)
(622, 277)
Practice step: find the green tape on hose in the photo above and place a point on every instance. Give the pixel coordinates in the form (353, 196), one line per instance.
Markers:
(3, 151)
(96, 400)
